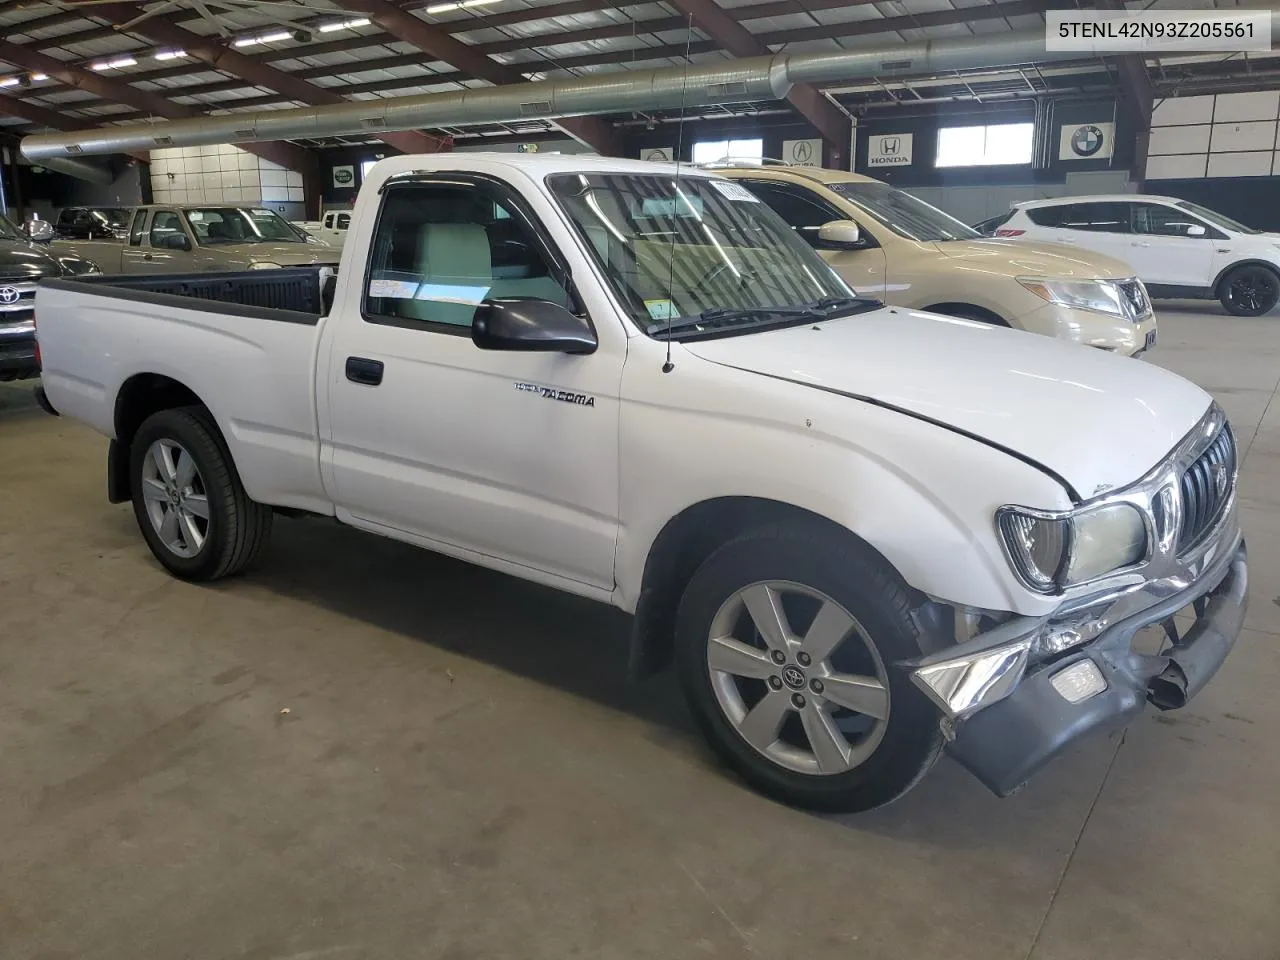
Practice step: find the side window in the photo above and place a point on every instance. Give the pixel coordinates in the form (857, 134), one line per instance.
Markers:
(440, 250)
(135, 230)
(1097, 217)
(1048, 216)
(1156, 219)
(344, 221)
(800, 208)
(164, 225)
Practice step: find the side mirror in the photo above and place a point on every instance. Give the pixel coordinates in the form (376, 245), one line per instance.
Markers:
(174, 241)
(38, 231)
(1195, 230)
(526, 323)
(840, 235)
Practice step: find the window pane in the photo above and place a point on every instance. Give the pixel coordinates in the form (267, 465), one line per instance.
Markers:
(1004, 143)
(710, 151)
(1097, 217)
(960, 146)
(1164, 221)
(746, 149)
(365, 167)
(440, 251)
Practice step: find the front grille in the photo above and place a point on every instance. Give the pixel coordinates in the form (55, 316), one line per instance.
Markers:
(1135, 299)
(1206, 487)
(17, 300)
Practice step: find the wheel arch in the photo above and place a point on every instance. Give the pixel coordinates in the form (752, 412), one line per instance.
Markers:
(1216, 286)
(966, 309)
(686, 541)
(140, 396)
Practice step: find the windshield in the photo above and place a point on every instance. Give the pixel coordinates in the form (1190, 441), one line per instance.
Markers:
(695, 248)
(220, 225)
(904, 214)
(1216, 218)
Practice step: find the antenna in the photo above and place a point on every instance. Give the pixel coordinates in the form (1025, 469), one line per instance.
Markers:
(668, 366)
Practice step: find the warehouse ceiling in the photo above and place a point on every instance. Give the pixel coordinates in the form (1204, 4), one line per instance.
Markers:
(82, 63)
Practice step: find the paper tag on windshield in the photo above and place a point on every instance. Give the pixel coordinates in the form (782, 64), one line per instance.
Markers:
(734, 191)
(661, 309)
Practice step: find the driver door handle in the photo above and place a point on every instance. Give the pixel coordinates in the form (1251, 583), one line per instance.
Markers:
(1142, 243)
(364, 370)
(147, 256)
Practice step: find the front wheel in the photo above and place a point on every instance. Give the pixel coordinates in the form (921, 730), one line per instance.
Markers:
(1249, 291)
(188, 499)
(786, 643)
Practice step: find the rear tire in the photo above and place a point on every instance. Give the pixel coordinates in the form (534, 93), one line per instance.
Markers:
(1249, 291)
(188, 500)
(831, 726)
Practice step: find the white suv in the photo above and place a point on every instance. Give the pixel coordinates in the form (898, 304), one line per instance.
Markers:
(1177, 248)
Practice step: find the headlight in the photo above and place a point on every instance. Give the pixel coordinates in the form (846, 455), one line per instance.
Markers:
(262, 265)
(1096, 295)
(1050, 552)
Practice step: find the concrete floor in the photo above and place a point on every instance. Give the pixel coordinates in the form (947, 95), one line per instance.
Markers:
(365, 751)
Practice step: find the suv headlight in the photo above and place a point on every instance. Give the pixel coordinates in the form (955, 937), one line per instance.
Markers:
(1096, 295)
(1053, 551)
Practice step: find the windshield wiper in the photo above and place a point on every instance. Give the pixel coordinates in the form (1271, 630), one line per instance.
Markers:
(720, 316)
(827, 308)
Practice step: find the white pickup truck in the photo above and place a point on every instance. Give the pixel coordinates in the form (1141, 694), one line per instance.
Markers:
(861, 533)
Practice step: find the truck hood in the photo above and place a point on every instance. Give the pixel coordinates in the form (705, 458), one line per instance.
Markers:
(1097, 420)
(1016, 258)
(20, 261)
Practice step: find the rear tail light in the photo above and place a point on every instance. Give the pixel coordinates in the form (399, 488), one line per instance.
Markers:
(1010, 233)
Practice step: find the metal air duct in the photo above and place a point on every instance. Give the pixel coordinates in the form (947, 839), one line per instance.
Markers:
(670, 88)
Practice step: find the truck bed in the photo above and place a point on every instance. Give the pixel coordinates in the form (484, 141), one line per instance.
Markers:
(244, 343)
(292, 294)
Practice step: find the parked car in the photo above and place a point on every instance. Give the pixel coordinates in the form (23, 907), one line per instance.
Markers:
(889, 244)
(331, 228)
(861, 533)
(23, 262)
(93, 223)
(1178, 248)
(193, 239)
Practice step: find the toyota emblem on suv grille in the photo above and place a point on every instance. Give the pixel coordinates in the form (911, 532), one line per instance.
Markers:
(10, 295)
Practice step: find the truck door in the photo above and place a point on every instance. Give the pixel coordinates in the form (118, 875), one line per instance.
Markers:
(496, 454)
(166, 246)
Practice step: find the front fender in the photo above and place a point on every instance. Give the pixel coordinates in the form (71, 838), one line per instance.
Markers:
(922, 495)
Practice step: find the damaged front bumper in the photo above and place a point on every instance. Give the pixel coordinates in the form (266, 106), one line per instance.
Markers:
(1008, 709)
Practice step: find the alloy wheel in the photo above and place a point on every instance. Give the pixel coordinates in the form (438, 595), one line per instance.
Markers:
(798, 678)
(175, 497)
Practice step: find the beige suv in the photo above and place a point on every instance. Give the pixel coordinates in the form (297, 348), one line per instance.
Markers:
(888, 244)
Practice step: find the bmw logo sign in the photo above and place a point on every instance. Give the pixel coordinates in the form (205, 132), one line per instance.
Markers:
(1087, 140)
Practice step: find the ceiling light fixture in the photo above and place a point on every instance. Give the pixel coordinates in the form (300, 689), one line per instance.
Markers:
(37, 77)
(10, 82)
(459, 5)
(171, 54)
(114, 64)
(274, 37)
(344, 25)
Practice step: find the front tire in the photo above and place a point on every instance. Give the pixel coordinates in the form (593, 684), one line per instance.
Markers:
(1249, 291)
(786, 641)
(188, 499)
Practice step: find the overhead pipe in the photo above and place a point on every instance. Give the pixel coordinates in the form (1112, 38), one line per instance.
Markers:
(670, 88)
